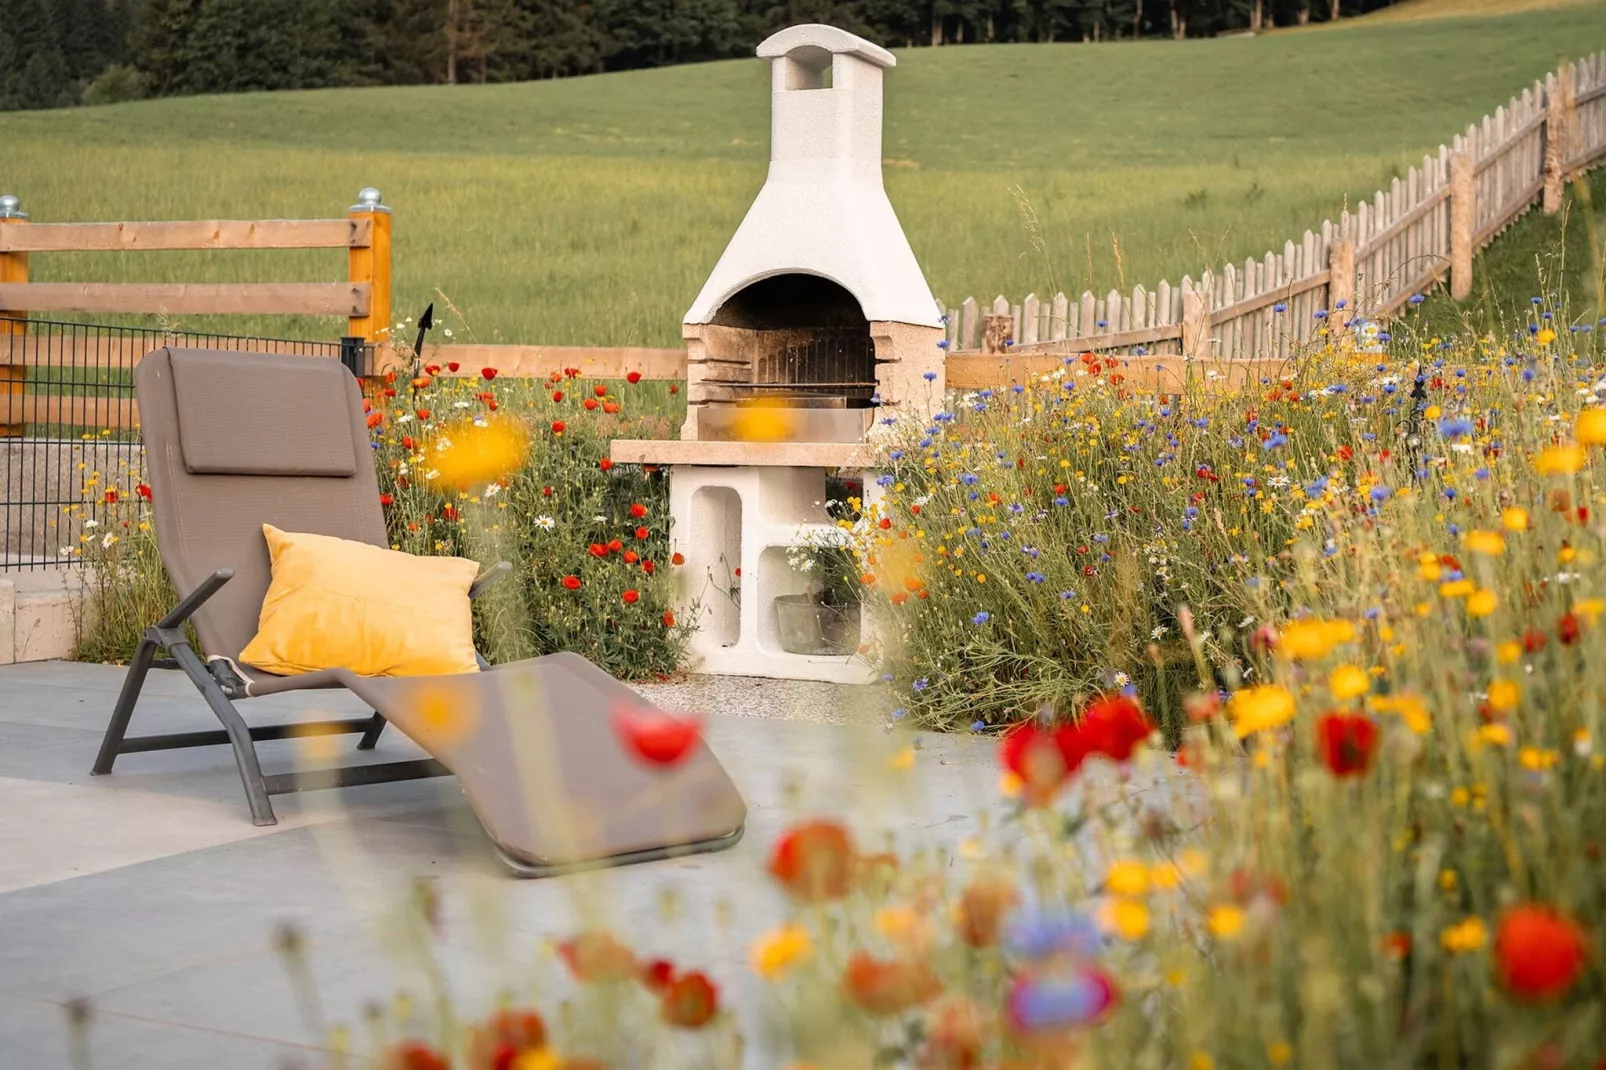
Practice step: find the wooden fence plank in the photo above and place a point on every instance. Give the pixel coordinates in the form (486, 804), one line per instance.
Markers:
(183, 298)
(188, 234)
(116, 414)
(50, 350)
(538, 362)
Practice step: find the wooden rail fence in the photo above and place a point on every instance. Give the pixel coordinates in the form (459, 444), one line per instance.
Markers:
(1424, 227)
(364, 298)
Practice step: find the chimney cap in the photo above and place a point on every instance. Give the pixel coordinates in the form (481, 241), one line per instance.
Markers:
(817, 38)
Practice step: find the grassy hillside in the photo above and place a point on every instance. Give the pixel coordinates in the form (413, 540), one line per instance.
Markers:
(590, 210)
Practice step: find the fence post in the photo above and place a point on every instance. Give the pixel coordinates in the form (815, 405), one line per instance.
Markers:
(1341, 276)
(1195, 322)
(1558, 122)
(1463, 221)
(372, 265)
(13, 372)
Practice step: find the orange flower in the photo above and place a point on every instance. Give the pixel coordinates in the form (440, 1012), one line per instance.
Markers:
(631, 596)
(814, 861)
(505, 1036)
(375, 419)
(111, 495)
(1538, 951)
(669, 618)
(891, 987)
(982, 909)
(413, 1055)
(597, 956)
(637, 511)
(691, 1001)
(571, 583)
(677, 558)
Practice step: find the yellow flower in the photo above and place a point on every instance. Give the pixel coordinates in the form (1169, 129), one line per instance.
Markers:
(1486, 542)
(1545, 337)
(1305, 640)
(1165, 875)
(1498, 733)
(1127, 876)
(904, 759)
(1508, 652)
(1128, 919)
(1536, 760)
(1448, 879)
(1279, 1053)
(907, 928)
(781, 949)
(764, 423)
(1514, 519)
(1503, 695)
(1560, 460)
(1225, 921)
(1591, 427)
(1456, 588)
(1201, 1061)
(1465, 936)
(1408, 707)
(1481, 603)
(1255, 709)
(1589, 608)
(1347, 682)
(481, 454)
(538, 1059)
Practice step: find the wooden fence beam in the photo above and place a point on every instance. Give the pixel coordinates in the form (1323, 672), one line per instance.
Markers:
(1463, 222)
(200, 299)
(538, 362)
(70, 410)
(188, 234)
(14, 270)
(369, 266)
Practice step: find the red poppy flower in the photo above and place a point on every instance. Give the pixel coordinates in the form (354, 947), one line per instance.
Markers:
(421, 383)
(597, 956)
(633, 378)
(899, 598)
(814, 861)
(389, 391)
(572, 373)
(630, 557)
(143, 491)
(571, 582)
(1567, 629)
(557, 429)
(488, 373)
(656, 737)
(1034, 756)
(598, 550)
(432, 369)
(677, 558)
(605, 464)
(886, 988)
(610, 407)
(375, 419)
(915, 509)
(1346, 742)
(1113, 725)
(110, 496)
(452, 366)
(1345, 453)
(546, 492)
(642, 533)
(615, 545)
(409, 442)
(1538, 951)
(983, 906)
(674, 388)
(557, 395)
(885, 523)
(691, 1001)
(631, 597)
(385, 499)
(449, 511)
(413, 1055)
(669, 618)
(657, 974)
(505, 1036)
(390, 377)
(637, 510)
(600, 390)
(590, 404)
(648, 567)
(423, 414)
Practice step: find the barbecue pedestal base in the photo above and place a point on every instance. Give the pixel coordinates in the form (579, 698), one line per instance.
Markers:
(733, 525)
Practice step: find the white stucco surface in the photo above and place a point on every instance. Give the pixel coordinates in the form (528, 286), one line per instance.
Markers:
(823, 209)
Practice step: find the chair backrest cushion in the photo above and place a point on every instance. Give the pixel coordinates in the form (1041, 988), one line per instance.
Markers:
(298, 424)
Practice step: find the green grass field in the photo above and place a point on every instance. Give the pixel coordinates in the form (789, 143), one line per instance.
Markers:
(588, 211)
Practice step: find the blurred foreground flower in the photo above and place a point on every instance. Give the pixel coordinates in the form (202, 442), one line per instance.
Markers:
(888, 987)
(814, 861)
(656, 737)
(764, 423)
(1538, 952)
(481, 453)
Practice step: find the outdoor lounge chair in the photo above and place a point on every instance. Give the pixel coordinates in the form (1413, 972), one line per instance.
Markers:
(235, 440)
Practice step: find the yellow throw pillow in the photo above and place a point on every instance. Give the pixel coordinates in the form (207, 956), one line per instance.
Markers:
(338, 604)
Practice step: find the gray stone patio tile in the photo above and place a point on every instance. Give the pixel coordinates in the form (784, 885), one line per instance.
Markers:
(34, 1036)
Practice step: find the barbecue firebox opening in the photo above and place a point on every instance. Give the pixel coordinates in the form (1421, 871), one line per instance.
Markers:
(804, 340)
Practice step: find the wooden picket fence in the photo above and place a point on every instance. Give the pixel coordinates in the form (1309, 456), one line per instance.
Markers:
(1402, 242)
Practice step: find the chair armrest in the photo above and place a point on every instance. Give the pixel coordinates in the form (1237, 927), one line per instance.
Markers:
(194, 600)
(492, 575)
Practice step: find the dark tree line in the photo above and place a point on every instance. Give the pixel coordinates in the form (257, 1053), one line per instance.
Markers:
(55, 53)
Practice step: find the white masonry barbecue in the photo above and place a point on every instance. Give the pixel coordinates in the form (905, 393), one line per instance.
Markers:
(818, 306)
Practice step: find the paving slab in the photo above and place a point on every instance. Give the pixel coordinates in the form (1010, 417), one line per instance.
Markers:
(150, 893)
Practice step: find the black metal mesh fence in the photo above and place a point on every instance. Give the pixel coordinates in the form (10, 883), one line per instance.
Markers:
(69, 426)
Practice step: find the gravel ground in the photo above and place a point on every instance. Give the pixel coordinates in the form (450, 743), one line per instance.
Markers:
(784, 700)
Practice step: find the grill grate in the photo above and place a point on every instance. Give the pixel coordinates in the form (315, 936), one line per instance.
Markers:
(836, 362)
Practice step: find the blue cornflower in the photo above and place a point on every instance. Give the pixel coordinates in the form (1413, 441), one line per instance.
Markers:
(925, 443)
(1030, 551)
(899, 714)
(981, 618)
(1415, 299)
(1036, 934)
(1383, 336)
(970, 479)
(1321, 313)
(896, 455)
(1017, 508)
(1062, 501)
(1340, 303)
(930, 377)
(1275, 440)
(940, 345)
(1316, 487)
(1536, 300)
(1066, 596)
(1018, 388)
(978, 726)
(1381, 493)
(921, 684)
(1191, 511)
(884, 481)
(1035, 577)
(1280, 306)
(1455, 428)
